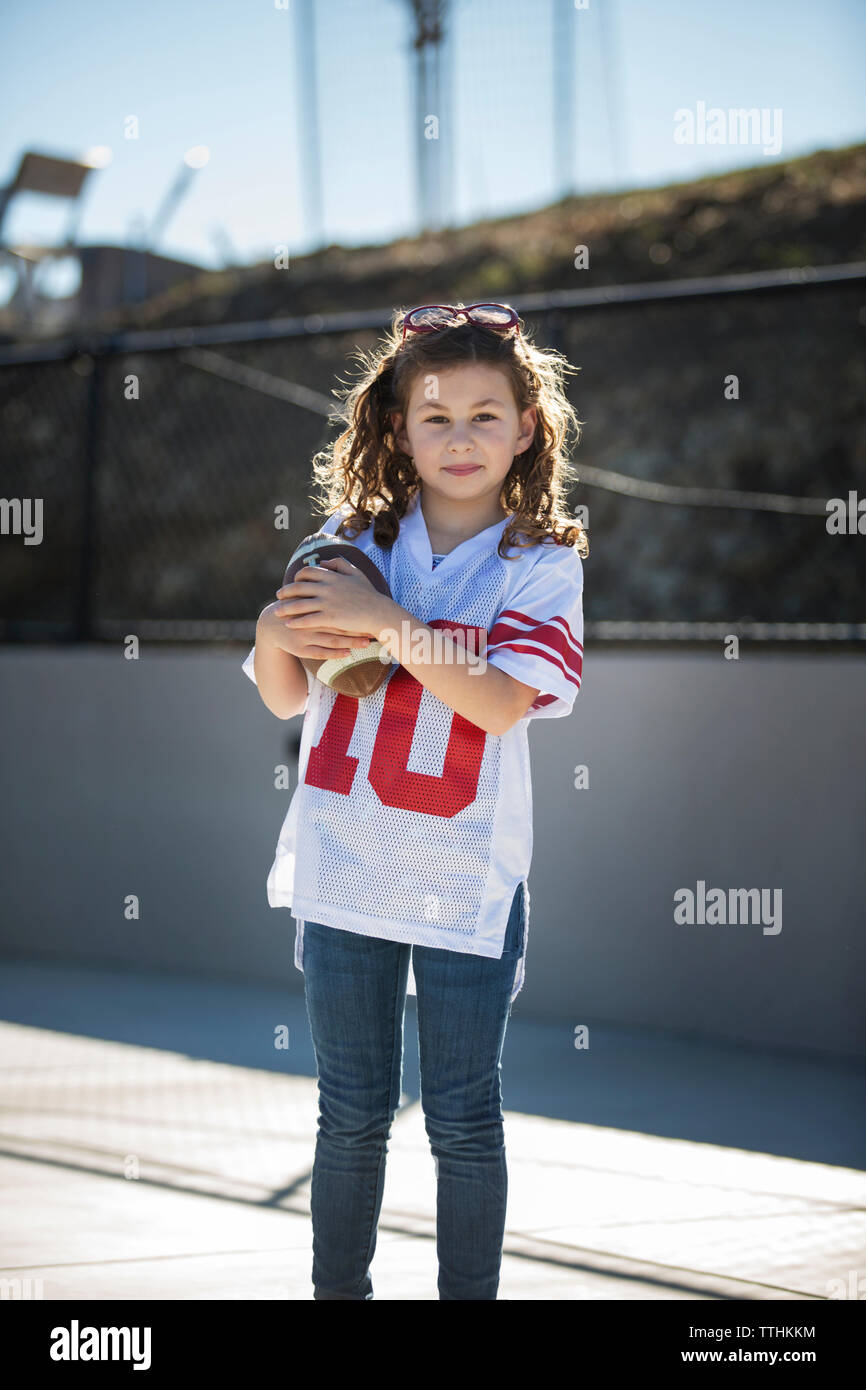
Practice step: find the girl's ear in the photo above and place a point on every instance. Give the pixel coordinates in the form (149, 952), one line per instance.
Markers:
(400, 436)
(529, 424)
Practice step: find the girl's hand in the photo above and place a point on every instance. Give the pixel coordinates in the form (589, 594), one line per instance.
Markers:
(335, 597)
(306, 644)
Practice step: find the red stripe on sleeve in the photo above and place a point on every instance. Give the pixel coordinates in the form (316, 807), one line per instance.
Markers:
(546, 656)
(515, 616)
(562, 651)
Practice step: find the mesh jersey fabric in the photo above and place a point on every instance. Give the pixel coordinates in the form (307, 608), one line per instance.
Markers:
(410, 823)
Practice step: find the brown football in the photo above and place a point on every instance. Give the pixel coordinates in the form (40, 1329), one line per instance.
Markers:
(364, 670)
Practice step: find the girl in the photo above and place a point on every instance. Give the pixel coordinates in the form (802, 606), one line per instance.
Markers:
(407, 844)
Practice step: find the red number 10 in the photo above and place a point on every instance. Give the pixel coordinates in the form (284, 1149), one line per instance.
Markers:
(330, 767)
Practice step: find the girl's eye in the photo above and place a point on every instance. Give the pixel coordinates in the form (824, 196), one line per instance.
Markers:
(482, 415)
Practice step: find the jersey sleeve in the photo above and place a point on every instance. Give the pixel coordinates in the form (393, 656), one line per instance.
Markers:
(248, 665)
(538, 636)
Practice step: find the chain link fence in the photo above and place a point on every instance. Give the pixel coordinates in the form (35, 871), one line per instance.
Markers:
(718, 420)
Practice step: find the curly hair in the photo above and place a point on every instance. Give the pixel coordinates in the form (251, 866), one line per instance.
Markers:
(365, 470)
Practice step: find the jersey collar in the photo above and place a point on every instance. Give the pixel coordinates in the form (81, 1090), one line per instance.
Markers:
(413, 528)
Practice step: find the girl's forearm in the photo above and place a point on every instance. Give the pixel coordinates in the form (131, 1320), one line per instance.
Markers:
(483, 694)
(280, 677)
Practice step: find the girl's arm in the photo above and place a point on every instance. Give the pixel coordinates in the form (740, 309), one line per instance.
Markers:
(279, 673)
(336, 598)
(280, 677)
(483, 694)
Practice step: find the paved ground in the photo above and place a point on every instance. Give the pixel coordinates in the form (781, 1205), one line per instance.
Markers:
(155, 1145)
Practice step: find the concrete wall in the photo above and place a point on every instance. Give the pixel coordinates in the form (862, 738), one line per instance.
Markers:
(156, 778)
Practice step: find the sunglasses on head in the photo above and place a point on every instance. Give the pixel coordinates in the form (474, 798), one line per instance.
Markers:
(431, 318)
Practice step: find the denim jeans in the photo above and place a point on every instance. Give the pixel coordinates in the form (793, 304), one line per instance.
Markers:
(355, 989)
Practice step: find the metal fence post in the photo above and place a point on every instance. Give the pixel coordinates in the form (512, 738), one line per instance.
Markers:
(84, 630)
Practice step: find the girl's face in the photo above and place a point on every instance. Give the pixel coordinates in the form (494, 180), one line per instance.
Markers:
(462, 429)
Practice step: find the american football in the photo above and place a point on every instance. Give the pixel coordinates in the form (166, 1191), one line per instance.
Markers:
(364, 670)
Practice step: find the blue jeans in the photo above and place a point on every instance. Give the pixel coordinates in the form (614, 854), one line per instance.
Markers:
(355, 989)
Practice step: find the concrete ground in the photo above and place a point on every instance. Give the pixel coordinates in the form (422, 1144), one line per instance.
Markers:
(157, 1145)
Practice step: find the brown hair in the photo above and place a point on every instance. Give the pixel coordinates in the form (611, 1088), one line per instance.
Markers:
(366, 469)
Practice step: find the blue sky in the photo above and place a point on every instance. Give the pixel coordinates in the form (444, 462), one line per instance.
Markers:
(224, 74)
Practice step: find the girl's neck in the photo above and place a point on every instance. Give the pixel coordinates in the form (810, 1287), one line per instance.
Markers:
(449, 523)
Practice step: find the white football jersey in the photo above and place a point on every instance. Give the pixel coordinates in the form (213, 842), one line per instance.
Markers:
(409, 822)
